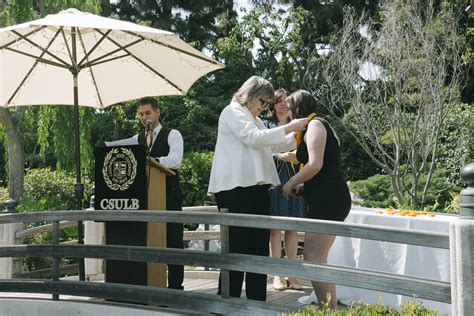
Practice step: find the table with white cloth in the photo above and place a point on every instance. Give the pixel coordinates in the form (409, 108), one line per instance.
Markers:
(409, 260)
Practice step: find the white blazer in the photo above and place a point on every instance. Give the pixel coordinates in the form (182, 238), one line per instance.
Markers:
(243, 154)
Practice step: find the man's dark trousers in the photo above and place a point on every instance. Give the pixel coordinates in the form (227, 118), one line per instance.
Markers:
(174, 231)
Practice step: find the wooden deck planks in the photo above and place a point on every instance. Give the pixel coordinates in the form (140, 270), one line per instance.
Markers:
(287, 297)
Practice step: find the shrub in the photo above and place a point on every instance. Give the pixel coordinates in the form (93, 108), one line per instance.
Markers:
(46, 190)
(453, 206)
(194, 173)
(45, 203)
(55, 186)
(4, 196)
(376, 191)
(407, 308)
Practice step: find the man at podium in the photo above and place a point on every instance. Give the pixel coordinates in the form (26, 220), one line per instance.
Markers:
(166, 146)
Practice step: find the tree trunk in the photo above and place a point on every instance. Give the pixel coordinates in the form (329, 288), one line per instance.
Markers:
(395, 181)
(16, 155)
(41, 8)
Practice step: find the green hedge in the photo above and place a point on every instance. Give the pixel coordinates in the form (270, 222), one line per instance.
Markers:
(376, 191)
(46, 190)
(194, 174)
(55, 186)
(4, 196)
(407, 308)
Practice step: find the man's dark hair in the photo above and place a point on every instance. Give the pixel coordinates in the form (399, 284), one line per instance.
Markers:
(148, 100)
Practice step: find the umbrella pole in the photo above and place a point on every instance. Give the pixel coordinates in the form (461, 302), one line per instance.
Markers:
(78, 187)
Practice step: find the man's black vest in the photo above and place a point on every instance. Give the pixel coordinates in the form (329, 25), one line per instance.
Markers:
(161, 148)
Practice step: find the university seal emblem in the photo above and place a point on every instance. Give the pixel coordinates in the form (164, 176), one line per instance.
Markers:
(120, 169)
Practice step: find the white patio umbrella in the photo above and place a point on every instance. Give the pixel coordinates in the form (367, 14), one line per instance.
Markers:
(81, 59)
(113, 60)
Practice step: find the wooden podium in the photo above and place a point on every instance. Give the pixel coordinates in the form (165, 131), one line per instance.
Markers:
(122, 175)
(156, 231)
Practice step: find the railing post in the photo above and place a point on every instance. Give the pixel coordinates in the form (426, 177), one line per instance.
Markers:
(92, 202)
(7, 238)
(10, 206)
(206, 242)
(94, 234)
(55, 259)
(462, 230)
(225, 280)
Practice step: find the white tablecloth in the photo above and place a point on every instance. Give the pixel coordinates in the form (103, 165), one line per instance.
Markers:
(432, 263)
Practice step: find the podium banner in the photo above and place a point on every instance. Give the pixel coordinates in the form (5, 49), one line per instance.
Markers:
(121, 184)
(120, 178)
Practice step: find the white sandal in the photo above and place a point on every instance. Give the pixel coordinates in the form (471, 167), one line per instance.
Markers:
(279, 283)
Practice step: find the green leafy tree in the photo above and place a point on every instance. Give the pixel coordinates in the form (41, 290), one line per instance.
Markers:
(196, 22)
(116, 122)
(467, 26)
(200, 24)
(195, 170)
(376, 191)
(268, 42)
(456, 147)
(13, 12)
(393, 86)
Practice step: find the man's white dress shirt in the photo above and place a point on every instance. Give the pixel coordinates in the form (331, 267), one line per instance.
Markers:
(175, 141)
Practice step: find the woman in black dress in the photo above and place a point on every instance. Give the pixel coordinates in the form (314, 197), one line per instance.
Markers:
(322, 182)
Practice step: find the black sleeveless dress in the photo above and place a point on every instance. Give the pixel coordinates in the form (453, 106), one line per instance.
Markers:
(327, 193)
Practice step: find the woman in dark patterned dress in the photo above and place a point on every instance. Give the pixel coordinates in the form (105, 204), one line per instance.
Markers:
(279, 205)
(325, 189)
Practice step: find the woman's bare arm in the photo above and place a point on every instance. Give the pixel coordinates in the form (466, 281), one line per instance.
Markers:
(316, 142)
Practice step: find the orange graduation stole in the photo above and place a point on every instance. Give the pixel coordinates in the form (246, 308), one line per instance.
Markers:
(299, 138)
(299, 135)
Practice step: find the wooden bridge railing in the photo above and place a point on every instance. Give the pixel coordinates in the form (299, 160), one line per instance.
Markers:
(460, 241)
(392, 283)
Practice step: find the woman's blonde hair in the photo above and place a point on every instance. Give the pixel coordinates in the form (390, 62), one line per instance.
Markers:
(254, 88)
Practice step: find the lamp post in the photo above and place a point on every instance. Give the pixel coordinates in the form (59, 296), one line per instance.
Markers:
(462, 249)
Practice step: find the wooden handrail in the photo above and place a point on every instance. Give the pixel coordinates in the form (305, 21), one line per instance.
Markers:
(372, 280)
(63, 224)
(146, 295)
(367, 279)
(373, 232)
(42, 229)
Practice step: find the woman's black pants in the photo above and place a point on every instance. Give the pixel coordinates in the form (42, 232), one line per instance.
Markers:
(251, 241)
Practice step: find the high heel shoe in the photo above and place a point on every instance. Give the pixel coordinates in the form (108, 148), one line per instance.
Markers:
(278, 283)
(294, 284)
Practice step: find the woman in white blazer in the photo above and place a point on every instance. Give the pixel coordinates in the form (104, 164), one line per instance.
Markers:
(243, 171)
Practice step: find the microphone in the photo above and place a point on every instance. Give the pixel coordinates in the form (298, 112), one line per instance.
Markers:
(149, 124)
